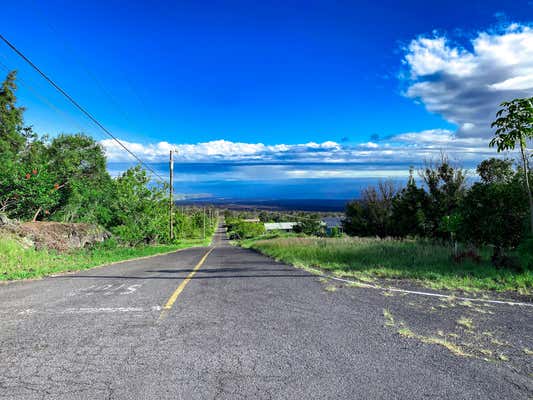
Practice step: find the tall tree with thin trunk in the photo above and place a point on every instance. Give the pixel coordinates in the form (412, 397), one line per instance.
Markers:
(514, 125)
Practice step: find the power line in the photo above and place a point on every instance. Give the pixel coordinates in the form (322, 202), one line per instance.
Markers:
(44, 99)
(75, 103)
(76, 56)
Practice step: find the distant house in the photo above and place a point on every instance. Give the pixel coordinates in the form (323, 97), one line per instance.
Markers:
(332, 222)
(280, 226)
(255, 220)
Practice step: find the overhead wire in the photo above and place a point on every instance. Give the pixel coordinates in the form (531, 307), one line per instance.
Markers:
(77, 105)
(46, 101)
(76, 56)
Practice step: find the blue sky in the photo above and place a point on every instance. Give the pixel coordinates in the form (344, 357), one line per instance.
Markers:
(378, 84)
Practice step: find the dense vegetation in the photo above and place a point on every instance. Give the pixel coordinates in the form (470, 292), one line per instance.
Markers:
(241, 229)
(492, 212)
(497, 211)
(65, 179)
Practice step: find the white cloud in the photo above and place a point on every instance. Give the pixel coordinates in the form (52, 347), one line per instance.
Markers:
(403, 148)
(216, 150)
(466, 86)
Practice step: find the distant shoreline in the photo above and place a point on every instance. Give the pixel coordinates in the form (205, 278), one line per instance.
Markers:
(330, 205)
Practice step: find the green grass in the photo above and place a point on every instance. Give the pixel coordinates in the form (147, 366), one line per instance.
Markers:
(465, 323)
(17, 262)
(366, 258)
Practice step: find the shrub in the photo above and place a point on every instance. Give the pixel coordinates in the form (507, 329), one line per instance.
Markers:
(238, 229)
(494, 214)
(525, 253)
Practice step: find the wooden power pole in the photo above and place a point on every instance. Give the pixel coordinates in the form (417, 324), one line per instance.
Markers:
(204, 221)
(171, 191)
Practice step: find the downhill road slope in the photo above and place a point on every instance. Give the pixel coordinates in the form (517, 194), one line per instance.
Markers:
(241, 327)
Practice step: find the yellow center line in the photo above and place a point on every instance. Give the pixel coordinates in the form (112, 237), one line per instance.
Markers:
(180, 288)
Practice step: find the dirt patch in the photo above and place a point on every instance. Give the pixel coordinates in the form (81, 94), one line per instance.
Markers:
(56, 235)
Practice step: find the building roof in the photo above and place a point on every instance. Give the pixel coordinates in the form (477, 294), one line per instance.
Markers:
(332, 222)
(282, 226)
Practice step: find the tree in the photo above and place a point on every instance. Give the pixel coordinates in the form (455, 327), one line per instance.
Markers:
(495, 170)
(408, 209)
(76, 157)
(494, 214)
(12, 139)
(309, 226)
(140, 212)
(446, 185)
(378, 204)
(514, 125)
(26, 183)
(355, 222)
(263, 216)
(79, 165)
(372, 215)
(35, 193)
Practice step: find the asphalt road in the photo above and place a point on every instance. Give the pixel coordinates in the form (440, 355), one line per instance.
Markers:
(243, 327)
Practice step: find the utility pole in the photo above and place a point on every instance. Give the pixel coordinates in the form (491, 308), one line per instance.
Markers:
(171, 191)
(204, 221)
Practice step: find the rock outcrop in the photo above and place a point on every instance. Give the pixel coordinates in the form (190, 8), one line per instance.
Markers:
(55, 235)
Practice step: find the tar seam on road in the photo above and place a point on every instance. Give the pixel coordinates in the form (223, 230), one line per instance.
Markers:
(180, 288)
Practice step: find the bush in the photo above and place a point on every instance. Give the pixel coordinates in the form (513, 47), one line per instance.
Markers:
(238, 229)
(309, 226)
(494, 214)
(335, 232)
(525, 253)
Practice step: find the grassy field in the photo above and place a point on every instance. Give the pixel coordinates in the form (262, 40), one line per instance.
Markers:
(369, 258)
(17, 262)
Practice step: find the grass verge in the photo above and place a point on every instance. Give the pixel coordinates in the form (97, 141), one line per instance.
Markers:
(18, 262)
(367, 258)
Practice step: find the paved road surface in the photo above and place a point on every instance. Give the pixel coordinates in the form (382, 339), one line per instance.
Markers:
(243, 327)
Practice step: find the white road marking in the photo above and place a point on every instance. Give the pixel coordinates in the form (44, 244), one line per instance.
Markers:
(106, 290)
(446, 296)
(131, 289)
(95, 310)
(91, 310)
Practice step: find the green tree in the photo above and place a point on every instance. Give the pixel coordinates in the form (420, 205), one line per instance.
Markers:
(12, 142)
(372, 215)
(408, 209)
(309, 226)
(446, 185)
(12, 139)
(495, 170)
(140, 212)
(76, 157)
(34, 192)
(494, 214)
(263, 216)
(378, 204)
(514, 125)
(355, 222)
(79, 165)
